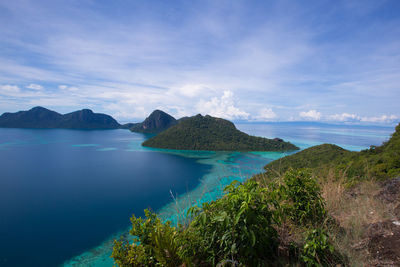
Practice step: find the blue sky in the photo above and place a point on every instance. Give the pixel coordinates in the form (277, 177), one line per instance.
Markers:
(333, 61)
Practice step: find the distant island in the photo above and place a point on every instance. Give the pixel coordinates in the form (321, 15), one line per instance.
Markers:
(188, 133)
(156, 122)
(215, 134)
(39, 117)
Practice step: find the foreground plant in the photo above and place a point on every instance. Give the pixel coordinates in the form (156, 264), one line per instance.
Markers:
(240, 229)
(302, 200)
(154, 244)
(317, 249)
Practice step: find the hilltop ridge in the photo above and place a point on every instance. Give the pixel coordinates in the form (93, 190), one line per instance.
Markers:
(380, 162)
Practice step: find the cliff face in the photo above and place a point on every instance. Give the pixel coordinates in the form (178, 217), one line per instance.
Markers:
(39, 117)
(156, 122)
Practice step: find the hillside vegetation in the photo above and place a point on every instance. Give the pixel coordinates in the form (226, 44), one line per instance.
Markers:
(379, 162)
(209, 133)
(320, 207)
(246, 227)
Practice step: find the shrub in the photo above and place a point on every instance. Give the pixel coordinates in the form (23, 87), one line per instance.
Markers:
(317, 250)
(154, 244)
(237, 227)
(301, 199)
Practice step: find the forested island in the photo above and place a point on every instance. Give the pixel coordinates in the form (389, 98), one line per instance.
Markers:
(39, 117)
(216, 134)
(188, 133)
(43, 118)
(324, 206)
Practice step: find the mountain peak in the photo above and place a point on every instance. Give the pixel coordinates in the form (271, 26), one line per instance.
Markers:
(156, 122)
(88, 111)
(39, 108)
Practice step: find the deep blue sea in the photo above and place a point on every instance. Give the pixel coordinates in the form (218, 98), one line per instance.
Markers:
(66, 194)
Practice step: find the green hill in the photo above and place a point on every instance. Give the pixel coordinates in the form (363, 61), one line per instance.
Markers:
(316, 157)
(380, 162)
(209, 133)
(87, 119)
(156, 122)
(39, 117)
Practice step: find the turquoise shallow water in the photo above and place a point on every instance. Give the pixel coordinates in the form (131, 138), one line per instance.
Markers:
(63, 192)
(227, 167)
(77, 189)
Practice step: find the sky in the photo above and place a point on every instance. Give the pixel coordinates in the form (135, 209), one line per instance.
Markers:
(327, 61)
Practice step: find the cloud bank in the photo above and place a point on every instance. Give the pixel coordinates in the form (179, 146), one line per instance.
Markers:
(238, 60)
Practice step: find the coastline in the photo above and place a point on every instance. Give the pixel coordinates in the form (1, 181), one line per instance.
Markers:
(226, 167)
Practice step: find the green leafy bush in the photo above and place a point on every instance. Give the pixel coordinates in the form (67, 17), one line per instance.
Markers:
(317, 250)
(237, 227)
(301, 198)
(154, 244)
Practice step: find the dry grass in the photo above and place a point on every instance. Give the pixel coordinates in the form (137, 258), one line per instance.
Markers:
(353, 209)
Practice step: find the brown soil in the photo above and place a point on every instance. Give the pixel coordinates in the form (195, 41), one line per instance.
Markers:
(396, 212)
(383, 238)
(384, 243)
(390, 192)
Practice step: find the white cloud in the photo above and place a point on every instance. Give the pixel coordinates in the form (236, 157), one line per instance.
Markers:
(34, 86)
(126, 111)
(266, 114)
(381, 119)
(276, 61)
(73, 88)
(7, 88)
(57, 102)
(10, 90)
(68, 88)
(310, 115)
(344, 117)
(347, 117)
(222, 107)
(191, 90)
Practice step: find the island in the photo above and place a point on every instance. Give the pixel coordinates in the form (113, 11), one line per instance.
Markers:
(40, 117)
(156, 122)
(323, 206)
(215, 134)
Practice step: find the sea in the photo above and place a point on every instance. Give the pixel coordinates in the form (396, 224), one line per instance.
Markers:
(66, 195)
